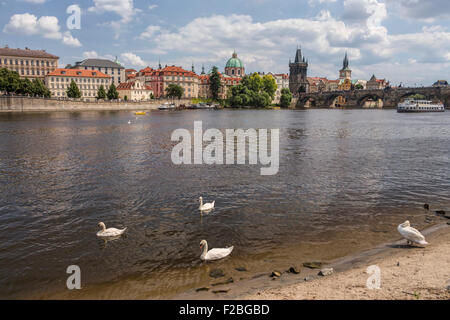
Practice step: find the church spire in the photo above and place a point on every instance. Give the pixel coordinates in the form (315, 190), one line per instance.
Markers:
(345, 63)
(203, 69)
(193, 70)
(298, 55)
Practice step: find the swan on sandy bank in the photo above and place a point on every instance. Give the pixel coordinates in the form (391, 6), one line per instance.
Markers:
(410, 234)
(110, 232)
(206, 206)
(214, 254)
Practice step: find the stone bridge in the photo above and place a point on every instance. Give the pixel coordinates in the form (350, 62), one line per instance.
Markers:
(376, 98)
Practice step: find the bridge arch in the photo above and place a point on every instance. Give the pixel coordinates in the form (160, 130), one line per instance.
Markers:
(370, 100)
(336, 100)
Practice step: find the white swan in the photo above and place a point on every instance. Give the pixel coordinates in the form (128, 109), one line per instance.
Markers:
(206, 206)
(129, 121)
(410, 234)
(213, 254)
(110, 232)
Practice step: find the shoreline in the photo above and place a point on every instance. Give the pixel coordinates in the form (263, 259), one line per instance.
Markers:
(407, 273)
(416, 276)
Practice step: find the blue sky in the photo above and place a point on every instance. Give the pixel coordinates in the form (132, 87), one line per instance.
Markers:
(401, 40)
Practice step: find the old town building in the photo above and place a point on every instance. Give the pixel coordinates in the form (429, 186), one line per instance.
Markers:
(235, 67)
(88, 81)
(31, 64)
(375, 83)
(110, 68)
(134, 91)
(225, 81)
(298, 82)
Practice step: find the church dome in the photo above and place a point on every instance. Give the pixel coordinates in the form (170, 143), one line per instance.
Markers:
(234, 62)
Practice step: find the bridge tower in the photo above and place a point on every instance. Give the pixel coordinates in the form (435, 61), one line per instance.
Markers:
(298, 82)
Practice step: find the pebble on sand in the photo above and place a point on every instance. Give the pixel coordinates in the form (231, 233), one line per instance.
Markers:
(276, 274)
(241, 269)
(221, 290)
(216, 273)
(202, 289)
(426, 206)
(230, 280)
(294, 270)
(326, 272)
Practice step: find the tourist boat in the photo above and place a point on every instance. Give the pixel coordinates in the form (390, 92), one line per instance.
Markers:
(140, 113)
(167, 106)
(410, 105)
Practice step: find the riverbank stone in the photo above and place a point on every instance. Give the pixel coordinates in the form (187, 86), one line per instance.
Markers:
(241, 269)
(326, 272)
(295, 270)
(221, 290)
(216, 273)
(202, 289)
(426, 206)
(276, 274)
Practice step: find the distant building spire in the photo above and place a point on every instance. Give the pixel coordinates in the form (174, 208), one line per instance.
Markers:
(193, 70)
(298, 55)
(203, 68)
(345, 63)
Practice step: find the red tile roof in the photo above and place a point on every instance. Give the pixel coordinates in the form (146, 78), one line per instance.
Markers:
(78, 73)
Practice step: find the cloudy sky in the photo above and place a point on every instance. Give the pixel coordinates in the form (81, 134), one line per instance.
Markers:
(401, 40)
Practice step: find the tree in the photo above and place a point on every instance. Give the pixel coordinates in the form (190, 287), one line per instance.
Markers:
(252, 92)
(73, 91)
(125, 98)
(39, 89)
(152, 96)
(269, 85)
(101, 93)
(26, 87)
(285, 98)
(214, 83)
(359, 86)
(174, 91)
(112, 92)
(9, 81)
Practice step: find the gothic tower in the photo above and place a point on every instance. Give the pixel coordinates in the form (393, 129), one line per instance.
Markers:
(298, 82)
(345, 72)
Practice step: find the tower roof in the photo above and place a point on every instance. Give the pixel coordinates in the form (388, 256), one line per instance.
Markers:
(345, 62)
(234, 62)
(298, 55)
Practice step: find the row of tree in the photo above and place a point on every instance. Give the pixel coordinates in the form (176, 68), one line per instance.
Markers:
(10, 82)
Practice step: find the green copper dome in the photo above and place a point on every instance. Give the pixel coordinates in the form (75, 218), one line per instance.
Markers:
(234, 62)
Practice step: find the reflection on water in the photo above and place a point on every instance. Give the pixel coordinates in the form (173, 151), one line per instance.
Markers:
(346, 179)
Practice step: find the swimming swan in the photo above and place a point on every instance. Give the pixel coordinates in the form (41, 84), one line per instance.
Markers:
(110, 232)
(213, 254)
(206, 206)
(410, 234)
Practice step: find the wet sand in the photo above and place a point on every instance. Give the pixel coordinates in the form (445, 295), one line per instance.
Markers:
(407, 273)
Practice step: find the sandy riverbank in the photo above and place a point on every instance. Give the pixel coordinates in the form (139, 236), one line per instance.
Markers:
(406, 273)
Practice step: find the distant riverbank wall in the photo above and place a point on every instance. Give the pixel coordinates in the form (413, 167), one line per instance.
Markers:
(28, 104)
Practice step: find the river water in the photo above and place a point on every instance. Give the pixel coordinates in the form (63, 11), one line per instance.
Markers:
(347, 178)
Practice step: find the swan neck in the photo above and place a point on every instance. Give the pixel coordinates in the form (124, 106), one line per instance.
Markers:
(205, 250)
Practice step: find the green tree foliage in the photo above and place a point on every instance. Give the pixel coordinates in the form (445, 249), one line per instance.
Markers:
(39, 89)
(285, 98)
(174, 91)
(10, 82)
(101, 93)
(269, 85)
(112, 92)
(417, 96)
(359, 86)
(214, 83)
(253, 91)
(73, 91)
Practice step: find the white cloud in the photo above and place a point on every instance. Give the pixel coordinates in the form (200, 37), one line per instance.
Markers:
(69, 40)
(124, 8)
(46, 27)
(149, 32)
(95, 55)
(313, 3)
(133, 60)
(152, 6)
(428, 11)
(267, 46)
